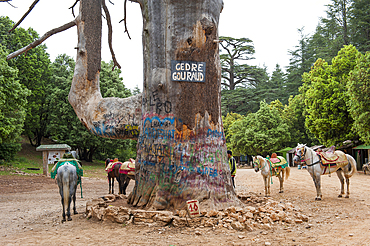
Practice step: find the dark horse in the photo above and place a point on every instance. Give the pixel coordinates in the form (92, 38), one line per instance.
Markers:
(112, 175)
(67, 182)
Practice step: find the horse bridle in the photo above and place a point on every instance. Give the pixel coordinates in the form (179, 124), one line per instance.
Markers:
(304, 154)
(258, 164)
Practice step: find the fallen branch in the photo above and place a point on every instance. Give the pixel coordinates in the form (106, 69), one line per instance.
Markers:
(42, 39)
(24, 16)
(110, 31)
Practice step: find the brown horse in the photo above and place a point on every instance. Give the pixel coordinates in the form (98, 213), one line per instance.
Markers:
(112, 174)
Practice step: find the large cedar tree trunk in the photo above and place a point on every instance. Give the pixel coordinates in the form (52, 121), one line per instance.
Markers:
(181, 151)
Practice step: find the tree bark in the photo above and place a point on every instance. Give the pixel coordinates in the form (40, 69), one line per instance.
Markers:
(181, 151)
(181, 148)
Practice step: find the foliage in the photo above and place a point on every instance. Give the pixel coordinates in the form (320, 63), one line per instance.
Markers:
(299, 63)
(65, 126)
(359, 94)
(228, 121)
(34, 73)
(240, 101)
(325, 98)
(12, 108)
(262, 132)
(360, 25)
(235, 74)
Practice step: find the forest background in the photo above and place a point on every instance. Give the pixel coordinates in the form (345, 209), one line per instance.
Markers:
(321, 97)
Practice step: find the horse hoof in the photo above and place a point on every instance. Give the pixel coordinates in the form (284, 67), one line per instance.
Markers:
(281, 191)
(63, 220)
(340, 195)
(69, 219)
(318, 199)
(347, 196)
(75, 212)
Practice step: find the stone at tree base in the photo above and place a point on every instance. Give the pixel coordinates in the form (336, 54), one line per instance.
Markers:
(233, 218)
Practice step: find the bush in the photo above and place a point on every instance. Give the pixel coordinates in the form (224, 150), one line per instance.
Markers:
(9, 150)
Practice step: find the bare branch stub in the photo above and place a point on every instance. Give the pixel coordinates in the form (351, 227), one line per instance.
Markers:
(124, 19)
(110, 30)
(72, 7)
(7, 1)
(42, 39)
(24, 16)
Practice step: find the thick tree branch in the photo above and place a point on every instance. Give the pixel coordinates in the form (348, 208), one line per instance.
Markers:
(42, 39)
(110, 30)
(24, 16)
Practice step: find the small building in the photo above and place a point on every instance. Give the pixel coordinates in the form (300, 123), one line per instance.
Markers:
(361, 154)
(51, 154)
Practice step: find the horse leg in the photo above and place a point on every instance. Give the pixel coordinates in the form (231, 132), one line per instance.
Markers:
(74, 203)
(64, 211)
(69, 208)
(317, 181)
(281, 179)
(110, 185)
(347, 181)
(267, 186)
(341, 179)
(126, 182)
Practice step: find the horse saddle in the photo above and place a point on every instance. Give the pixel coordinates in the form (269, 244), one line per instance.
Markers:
(111, 165)
(128, 167)
(277, 161)
(333, 158)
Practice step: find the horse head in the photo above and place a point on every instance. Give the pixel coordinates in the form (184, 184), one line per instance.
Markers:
(300, 152)
(256, 163)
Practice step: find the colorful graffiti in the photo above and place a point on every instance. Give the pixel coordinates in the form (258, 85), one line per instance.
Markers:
(174, 160)
(114, 126)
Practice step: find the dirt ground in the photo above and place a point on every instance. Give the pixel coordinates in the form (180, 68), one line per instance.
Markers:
(31, 214)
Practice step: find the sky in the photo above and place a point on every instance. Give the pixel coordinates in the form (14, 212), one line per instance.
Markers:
(272, 25)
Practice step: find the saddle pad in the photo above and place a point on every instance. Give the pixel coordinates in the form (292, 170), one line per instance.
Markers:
(338, 158)
(276, 162)
(128, 167)
(111, 166)
(61, 162)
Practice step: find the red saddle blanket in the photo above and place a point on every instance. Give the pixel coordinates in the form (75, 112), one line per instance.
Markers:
(128, 167)
(111, 166)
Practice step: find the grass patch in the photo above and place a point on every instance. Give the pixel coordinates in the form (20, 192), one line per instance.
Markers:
(95, 169)
(20, 164)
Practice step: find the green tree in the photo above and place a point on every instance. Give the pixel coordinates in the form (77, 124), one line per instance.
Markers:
(300, 62)
(325, 97)
(262, 132)
(359, 95)
(12, 108)
(64, 124)
(241, 101)
(360, 25)
(233, 72)
(34, 73)
(228, 121)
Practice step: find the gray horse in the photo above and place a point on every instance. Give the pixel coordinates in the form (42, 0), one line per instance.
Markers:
(67, 182)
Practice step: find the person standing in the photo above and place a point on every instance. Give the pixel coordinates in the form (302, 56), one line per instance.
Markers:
(232, 165)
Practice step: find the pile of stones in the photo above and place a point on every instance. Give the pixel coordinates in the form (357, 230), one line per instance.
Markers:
(258, 213)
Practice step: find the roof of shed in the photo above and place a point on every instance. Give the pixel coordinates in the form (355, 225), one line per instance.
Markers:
(53, 147)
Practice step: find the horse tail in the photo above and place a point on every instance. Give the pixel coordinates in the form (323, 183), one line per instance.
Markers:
(66, 187)
(287, 173)
(353, 165)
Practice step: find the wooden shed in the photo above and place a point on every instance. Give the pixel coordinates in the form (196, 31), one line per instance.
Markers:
(51, 154)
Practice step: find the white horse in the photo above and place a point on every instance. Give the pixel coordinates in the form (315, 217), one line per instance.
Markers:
(262, 164)
(316, 168)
